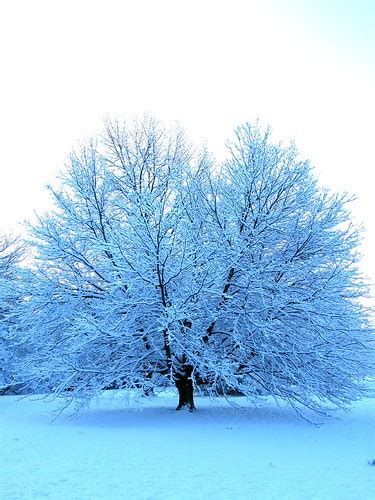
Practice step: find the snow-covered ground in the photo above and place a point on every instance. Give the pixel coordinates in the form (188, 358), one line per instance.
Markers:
(153, 452)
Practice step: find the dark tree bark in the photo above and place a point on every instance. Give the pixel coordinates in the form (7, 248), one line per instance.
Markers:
(184, 383)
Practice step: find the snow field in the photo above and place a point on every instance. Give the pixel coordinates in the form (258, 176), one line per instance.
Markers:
(150, 451)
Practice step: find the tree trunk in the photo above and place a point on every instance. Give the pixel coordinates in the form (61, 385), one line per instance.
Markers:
(184, 383)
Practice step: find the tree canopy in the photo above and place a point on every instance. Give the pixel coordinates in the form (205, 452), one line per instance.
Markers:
(155, 257)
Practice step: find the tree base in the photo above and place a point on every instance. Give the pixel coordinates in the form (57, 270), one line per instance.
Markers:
(190, 408)
(184, 384)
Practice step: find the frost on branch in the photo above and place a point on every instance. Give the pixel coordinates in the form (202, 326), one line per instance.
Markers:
(155, 259)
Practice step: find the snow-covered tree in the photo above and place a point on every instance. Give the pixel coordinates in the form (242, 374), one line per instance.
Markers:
(286, 311)
(12, 252)
(117, 268)
(157, 267)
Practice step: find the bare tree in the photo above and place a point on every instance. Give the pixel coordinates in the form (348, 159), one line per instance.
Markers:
(12, 252)
(157, 267)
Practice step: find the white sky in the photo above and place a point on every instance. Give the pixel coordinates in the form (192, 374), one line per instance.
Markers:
(307, 67)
